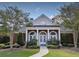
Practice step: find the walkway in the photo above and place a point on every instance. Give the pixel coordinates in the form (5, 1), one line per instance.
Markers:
(43, 51)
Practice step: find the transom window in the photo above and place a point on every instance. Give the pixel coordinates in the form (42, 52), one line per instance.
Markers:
(42, 33)
(52, 33)
(32, 33)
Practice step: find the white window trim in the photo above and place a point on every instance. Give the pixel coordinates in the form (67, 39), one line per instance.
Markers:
(32, 35)
(53, 35)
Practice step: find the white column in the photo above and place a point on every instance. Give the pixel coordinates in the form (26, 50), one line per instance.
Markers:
(37, 34)
(48, 34)
(59, 37)
(59, 34)
(37, 38)
(26, 37)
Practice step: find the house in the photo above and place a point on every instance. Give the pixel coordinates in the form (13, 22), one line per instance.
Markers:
(44, 29)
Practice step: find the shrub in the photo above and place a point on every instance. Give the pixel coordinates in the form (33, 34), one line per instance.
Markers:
(49, 42)
(53, 46)
(7, 46)
(8, 43)
(32, 42)
(34, 47)
(68, 45)
(16, 45)
(20, 39)
(4, 39)
(53, 41)
(66, 38)
(2, 46)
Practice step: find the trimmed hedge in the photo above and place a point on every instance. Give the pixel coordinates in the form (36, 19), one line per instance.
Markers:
(53, 41)
(20, 39)
(32, 43)
(53, 46)
(67, 39)
(34, 47)
(2, 46)
(4, 39)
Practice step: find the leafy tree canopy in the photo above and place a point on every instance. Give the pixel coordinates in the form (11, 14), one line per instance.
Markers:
(13, 19)
(70, 15)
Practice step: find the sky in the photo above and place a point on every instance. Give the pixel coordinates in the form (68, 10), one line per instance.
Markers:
(50, 9)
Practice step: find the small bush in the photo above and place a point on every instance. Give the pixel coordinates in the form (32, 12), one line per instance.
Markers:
(8, 43)
(2, 46)
(66, 38)
(32, 42)
(49, 42)
(34, 47)
(53, 46)
(16, 45)
(4, 39)
(53, 41)
(68, 45)
(7, 46)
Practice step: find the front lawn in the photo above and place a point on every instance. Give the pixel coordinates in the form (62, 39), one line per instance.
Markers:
(18, 53)
(62, 53)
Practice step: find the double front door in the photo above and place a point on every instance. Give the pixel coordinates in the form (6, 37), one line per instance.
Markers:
(42, 39)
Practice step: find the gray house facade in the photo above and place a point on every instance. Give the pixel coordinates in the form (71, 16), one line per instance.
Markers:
(44, 29)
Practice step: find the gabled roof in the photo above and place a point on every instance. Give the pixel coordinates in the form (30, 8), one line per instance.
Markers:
(43, 20)
(43, 16)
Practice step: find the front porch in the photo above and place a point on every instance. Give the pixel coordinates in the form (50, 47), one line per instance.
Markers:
(42, 34)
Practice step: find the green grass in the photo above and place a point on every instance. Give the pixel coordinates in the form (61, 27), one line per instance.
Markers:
(18, 53)
(61, 53)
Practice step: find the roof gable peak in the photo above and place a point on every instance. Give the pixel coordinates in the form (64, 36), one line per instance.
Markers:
(43, 16)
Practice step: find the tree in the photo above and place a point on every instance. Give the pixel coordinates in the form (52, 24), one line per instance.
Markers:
(70, 15)
(13, 19)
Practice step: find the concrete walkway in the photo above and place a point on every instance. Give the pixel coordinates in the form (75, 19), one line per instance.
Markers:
(43, 51)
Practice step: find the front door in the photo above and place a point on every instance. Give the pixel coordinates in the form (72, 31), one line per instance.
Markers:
(42, 40)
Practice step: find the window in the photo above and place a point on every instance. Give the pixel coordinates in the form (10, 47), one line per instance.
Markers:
(42, 33)
(53, 35)
(32, 35)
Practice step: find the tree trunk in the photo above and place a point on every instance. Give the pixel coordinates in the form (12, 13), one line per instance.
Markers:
(11, 40)
(75, 34)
